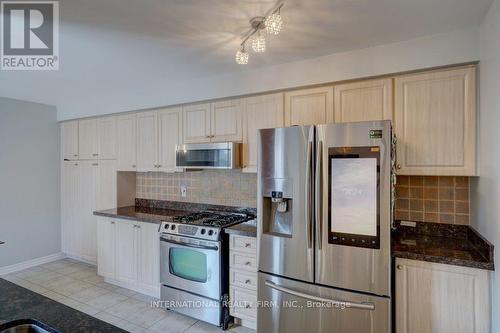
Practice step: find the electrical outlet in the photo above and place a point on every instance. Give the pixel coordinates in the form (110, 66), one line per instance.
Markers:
(184, 191)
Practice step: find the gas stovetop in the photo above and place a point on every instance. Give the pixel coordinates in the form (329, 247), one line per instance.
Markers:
(205, 224)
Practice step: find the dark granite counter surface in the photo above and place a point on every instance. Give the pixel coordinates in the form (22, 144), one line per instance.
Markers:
(443, 243)
(157, 211)
(17, 303)
(248, 229)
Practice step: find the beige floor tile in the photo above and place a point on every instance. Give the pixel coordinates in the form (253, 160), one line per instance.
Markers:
(70, 268)
(106, 285)
(127, 308)
(129, 327)
(106, 301)
(109, 318)
(89, 293)
(125, 292)
(202, 327)
(82, 273)
(69, 302)
(53, 295)
(43, 277)
(148, 317)
(173, 323)
(58, 281)
(91, 311)
(144, 298)
(13, 277)
(94, 279)
(32, 286)
(71, 288)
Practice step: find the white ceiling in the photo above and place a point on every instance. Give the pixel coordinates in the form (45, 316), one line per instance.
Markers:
(123, 45)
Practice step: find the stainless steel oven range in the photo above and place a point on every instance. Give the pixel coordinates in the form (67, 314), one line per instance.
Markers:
(194, 255)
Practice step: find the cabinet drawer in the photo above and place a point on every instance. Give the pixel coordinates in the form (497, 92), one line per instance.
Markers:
(247, 262)
(243, 279)
(243, 244)
(244, 303)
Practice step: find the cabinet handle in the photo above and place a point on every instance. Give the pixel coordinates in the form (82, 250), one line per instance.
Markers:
(248, 263)
(95, 154)
(133, 166)
(95, 164)
(247, 306)
(138, 227)
(112, 222)
(247, 282)
(398, 166)
(208, 136)
(159, 165)
(75, 155)
(400, 267)
(247, 244)
(76, 164)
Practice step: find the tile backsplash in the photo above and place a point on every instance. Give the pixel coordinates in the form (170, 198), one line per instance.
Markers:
(218, 187)
(433, 199)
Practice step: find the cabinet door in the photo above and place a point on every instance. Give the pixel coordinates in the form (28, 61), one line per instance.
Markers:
(70, 217)
(363, 101)
(69, 140)
(106, 185)
(169, 135)
(309, 106)
(435, 123)
(106, 137)
(147, 141)
(264, 111)
(225, 121)
(441, 298)
(126, 257)
(86, 230)
(87, 139)
(127, 142)
(196, 123)
(148, 257)
(106, 242)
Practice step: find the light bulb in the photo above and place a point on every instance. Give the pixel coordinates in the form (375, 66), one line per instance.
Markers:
(274, 23)
(259, 43)
(241, 57)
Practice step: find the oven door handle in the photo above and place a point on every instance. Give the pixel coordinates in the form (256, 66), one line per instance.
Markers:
(204, 247)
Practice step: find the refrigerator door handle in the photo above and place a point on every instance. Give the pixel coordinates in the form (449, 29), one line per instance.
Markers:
(355, 305)
(308, 209)
(317, 195)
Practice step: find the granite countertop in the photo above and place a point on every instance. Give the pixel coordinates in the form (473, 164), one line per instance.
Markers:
(443, 243)
(248, 229)
(17, 303)
(157, 211)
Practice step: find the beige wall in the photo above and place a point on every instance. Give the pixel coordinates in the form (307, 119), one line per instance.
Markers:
(220, 187)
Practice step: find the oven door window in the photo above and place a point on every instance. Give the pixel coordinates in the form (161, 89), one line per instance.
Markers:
(204, 158)
(188, 264)
(354, 196)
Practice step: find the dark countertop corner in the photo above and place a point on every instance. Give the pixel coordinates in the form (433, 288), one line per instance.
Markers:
(18, 303)
(248, 229)
(443, 243)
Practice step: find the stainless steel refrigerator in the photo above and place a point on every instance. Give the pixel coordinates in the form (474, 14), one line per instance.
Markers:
(324, 218)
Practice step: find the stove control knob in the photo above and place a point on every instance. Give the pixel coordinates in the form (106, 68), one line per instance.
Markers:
(210, 232)
(202, 231)
(172, 227)
(166, 226)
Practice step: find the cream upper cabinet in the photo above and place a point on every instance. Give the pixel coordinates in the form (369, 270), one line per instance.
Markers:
(147, 141)
(126, 142)
(225, 121)
(87, 139)
(435, 122)
(196, 123)
(69, 140)
(169, 135)
(264, 111)
(309, 106)
(441, 298)
(363, 101)
(106, 137)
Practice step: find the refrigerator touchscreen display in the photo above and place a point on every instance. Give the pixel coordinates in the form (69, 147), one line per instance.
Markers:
(354, 196)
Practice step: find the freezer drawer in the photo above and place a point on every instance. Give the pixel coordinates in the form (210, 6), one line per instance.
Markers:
(288, 306)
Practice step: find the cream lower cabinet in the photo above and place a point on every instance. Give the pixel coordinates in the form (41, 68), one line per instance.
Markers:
(129, 254)
(86, 186)
(435, 123)
(363, 100)
(243, 279)
(265, 111)
(439, 298)
(309, 106)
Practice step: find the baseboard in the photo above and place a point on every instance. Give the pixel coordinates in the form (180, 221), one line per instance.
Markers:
(31, 263)
(87, 260)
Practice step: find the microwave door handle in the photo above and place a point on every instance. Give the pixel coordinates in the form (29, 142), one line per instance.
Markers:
(318, 193)
(308, 208)
(353, 305)
(196, 246)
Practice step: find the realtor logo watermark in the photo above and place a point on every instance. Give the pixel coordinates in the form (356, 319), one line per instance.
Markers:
(29, 35)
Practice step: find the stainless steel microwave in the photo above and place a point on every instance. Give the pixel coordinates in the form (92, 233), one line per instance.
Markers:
(221, 155)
